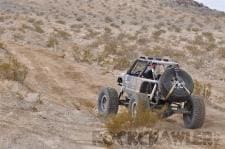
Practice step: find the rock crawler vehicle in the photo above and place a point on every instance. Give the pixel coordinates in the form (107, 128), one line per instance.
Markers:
(157, 83)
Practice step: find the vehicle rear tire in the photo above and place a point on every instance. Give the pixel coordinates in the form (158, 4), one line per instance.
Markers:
(196, 118)
(108, 102)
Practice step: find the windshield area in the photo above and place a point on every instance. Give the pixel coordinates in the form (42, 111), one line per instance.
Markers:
(138, 68)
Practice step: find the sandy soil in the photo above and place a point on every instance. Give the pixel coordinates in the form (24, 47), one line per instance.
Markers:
(58, 122)
(55, 107)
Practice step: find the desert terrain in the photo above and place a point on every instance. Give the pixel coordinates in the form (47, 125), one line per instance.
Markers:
(56, 55)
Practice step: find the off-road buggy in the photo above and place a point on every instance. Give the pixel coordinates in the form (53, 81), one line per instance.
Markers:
(157, 83)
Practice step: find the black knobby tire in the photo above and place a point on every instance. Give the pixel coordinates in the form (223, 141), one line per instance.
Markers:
(165, 84)
(108, 102)
(196, 117)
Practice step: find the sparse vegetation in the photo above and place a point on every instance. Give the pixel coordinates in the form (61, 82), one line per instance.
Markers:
(124, 122)
(221, 52)
(38, 28)
(52, 41)
(61, 22)
(62, 34)
(13, 70)
(2, 45)
(157, 34)
(194, 50)
(202, 89)
(108, 20)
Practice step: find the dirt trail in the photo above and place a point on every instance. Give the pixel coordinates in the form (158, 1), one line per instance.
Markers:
(61, 121)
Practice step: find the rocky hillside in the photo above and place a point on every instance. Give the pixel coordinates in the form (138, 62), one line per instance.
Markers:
(64, 51)
(112, 33)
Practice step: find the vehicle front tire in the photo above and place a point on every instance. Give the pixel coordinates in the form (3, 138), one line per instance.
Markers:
(196, 117)
(108, 102)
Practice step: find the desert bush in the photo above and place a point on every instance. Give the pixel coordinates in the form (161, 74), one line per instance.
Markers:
(39, 22)
(210, 46)
(209, 36)
(157, 34)
(205, 41)
(91, 34)
(2, 45)
(116, 54)
(62, 34)
(13, 70)
(2, 19)
(52, 41)
(25, 27)
(195, 29)
(144, 40)
(124, 122)
(158, 51)
(221, 52)
(198, 40)
(87, 56)
(174, 28)
(121, 63)
(83, 55)
(159, 25)
(194, 50)
(79, 19)
(18, 36)
(115, 25)
(38, 28)
(76, 26)
(61, 22)
(108, 20)
(202, 89)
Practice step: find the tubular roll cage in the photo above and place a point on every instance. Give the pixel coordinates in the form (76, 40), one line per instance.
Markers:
(150, 61)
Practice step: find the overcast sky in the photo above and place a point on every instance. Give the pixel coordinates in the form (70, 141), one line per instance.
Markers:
(214, 4)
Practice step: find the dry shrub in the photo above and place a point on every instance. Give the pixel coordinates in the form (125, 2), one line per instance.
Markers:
(38, 28)
(2, 18)
(221, 52)
(108, 20)
(91, 34)
(52, 41)
(158, 51)
(202, 89)
(195, 29)
(13, 70)
(156, 35)
(198, 40)
(2, 46)
(145, 118)
(62, 34)
(61, 22)
(209, 36)
(83, 55)
(123, 121)
(121, 63)
(194, 50)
